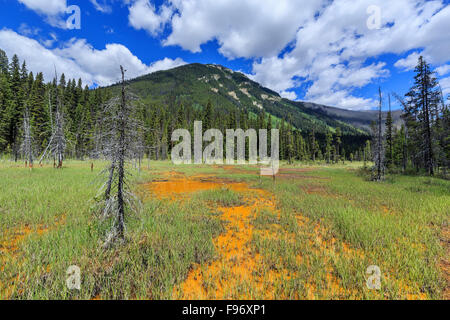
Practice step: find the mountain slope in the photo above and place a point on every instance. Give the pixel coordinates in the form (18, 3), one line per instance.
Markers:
(359, 119)
(197, 84)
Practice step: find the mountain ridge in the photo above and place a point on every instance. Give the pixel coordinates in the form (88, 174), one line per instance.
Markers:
(199, 83)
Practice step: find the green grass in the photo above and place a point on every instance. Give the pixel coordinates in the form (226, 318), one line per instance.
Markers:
(222, 197)
(395, 225)
(163, 241)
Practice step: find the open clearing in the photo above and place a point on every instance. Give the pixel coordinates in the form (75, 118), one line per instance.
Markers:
(221, 232)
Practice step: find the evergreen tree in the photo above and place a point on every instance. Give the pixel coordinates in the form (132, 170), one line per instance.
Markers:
(208, 117)
(290, 144)
(328, 146)
(389, 156)
(14, 114)
(313, 145)
(399, 147)
(5, 107)
(422, 98)
(4, 63)
(39, 113)
(338, 142)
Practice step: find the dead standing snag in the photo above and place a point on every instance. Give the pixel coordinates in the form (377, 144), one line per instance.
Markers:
(120, 140)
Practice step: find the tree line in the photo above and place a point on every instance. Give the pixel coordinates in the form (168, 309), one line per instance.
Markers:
(422, 143)
(31, 107)
(25, 95)
(22, 92)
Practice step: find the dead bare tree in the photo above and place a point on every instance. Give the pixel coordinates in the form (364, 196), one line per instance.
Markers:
(119, 141)
(378, 169)
(57, 143)
(27, 142)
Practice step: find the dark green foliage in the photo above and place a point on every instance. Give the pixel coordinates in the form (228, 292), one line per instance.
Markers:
(39, 113)
(222, 99)
(424, 115)
(20, 89)
(4, 62)
(5, 107)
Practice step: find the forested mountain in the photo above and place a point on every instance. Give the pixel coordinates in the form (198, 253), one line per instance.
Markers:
(196, 84)
(32, 112)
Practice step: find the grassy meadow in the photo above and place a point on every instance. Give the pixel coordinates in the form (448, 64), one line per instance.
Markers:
(222, 232)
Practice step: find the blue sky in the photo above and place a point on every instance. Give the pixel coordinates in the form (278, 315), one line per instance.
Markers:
(331, 52)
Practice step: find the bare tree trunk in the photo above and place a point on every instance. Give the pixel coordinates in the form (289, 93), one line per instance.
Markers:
(27, 144)
(110, 180)
(429, 148)
(139, 168)
(378, 170)
(405, 149)
(121, 213)
(379, 138)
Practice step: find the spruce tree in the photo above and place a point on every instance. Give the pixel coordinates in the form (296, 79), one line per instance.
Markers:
(422, 98)
(5, 107)
(208, 117)
(14, 114)
(4, 62)
(328, 146)
(39, 113)
(338, 142)
(389, 137)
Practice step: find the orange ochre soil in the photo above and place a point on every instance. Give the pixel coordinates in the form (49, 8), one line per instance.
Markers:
(237, 272)
(9, 252)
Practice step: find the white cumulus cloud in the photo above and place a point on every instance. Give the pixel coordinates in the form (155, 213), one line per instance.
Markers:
(326, 43)
(48, 7)
(52, 10)
(332, 49)
(79, 59)
(249, 28)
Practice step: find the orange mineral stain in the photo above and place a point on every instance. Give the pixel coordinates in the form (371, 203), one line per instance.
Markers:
(10, 249)
(231, 275)
(177, 187)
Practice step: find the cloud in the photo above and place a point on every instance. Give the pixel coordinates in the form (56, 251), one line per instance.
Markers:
(78, 59)
(344, 99)
(288, 95)
(327, 43)
(443, 70)
(103, 6)
(333, 48)
(28, 31)
(166, 64)
(143, 15)
(46, 7)
(242, 28)
(445, 85)
(51, 10)
(49, 42)
(408, 63)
